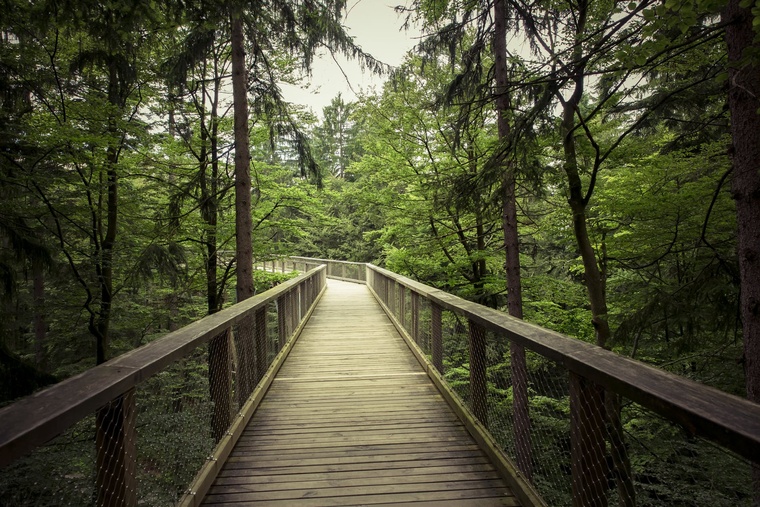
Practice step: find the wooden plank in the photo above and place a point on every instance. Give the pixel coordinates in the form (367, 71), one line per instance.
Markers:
(346, 482)
(366, 497)
(251, 493)
(253, 461)
(352, 419)
(359, 450)
(393, 474)
(483, 469)
(397, 467)
(462, 502)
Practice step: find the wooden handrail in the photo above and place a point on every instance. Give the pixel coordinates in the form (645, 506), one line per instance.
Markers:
(729, 420)
(317, 260)
(34, 420)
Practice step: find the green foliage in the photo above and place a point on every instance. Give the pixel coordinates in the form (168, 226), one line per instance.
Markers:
(109, 88)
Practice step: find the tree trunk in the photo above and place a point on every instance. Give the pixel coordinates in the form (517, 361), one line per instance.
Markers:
(511, 245)
(243, 223)
(107, 240)
(744, 104)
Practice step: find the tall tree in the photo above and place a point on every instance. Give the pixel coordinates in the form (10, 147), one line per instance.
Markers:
(744, 102)
(448, 23)
(335, 138)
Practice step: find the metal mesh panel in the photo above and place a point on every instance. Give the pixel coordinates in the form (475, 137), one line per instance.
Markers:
(603, 449)
(670, 467)
(455, 354)
(544, 456)
(425, 327)
(59, 473)
(174, 437)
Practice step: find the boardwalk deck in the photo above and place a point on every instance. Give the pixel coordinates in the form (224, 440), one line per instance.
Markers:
(351, 419)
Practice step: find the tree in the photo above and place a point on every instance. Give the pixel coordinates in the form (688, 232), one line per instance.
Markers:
(335, 138)
(744, 103)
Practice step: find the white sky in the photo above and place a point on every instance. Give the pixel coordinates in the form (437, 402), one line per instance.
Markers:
(376, 28)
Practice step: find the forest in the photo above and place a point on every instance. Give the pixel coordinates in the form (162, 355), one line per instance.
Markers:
(589, 166)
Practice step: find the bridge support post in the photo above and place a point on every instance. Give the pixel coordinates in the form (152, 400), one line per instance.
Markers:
(402, 305)
(416, 317)
(282, 311)
(292, 311)
(392, 296)
(587, 430)
(436, 337)
(116, 455)
(478, 381)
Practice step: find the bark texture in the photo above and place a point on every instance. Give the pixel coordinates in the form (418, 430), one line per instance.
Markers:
(243, 223)
(744, 104)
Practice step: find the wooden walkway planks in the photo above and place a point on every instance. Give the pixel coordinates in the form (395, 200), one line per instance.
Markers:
(351, 419)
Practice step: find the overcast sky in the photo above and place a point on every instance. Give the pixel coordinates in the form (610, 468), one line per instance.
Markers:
(376, 28)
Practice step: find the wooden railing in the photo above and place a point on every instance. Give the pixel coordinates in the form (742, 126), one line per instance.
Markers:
(598, 384)
(339, 270)
(158, 414)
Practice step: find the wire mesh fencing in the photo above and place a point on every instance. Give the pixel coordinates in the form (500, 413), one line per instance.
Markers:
(575, 440)
(178, 397)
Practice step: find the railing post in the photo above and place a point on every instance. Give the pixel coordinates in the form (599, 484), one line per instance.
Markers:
(587, 456)
(436, 336)
(416, 317)
(290, 314)
(282, 331)
(392, 302)
(302, 295)
(261, 345)
(478, 382)
(116, 454)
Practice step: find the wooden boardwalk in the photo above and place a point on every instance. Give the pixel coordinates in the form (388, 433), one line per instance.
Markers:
(352, 419)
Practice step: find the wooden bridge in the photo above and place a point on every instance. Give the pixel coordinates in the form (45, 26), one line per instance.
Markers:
(333, 392)
(351, 418)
